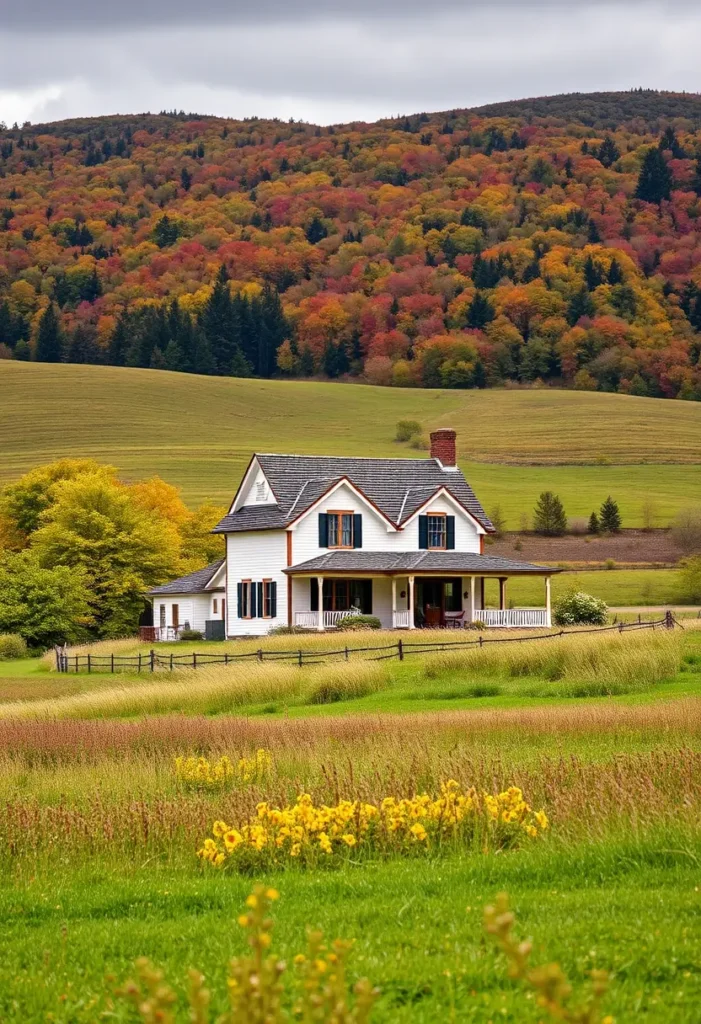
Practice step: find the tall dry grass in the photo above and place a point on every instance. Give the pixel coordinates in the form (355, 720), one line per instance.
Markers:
(607, 662)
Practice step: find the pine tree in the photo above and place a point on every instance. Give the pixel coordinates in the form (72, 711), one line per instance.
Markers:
(220, 325)
(594, 524)
(592, 274)
(549, 517)
(593, 235)
(49, 341)
(615, 274)
(480, 312)
(185, 179)
(118, 342)
(655, 181)
(306, 362)
(581, 304)
(316, 231)
(696, 183)
(240, 366)
(609, 516)
(608, 152)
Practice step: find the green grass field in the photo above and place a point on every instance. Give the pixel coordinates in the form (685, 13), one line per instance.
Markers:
(98, 835)
(199, 432)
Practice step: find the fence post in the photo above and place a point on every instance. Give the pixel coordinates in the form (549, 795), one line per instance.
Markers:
(88, 664)
(669, 619)
(112, 663)
(153, 659)
(171, 663)
(346, 654)
(300, 658)
(194, 659)
(226, 659)
(481, 641)
(139, 661)
(620, 626)
(400, 650)
(260, 654)
(76, 662)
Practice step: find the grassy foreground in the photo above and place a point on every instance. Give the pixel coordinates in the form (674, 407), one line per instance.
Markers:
(98, 832)
(147, 422)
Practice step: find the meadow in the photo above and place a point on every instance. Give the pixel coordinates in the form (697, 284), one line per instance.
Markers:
(199, 432)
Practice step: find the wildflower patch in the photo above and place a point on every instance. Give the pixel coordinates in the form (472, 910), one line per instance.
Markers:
(306, 833)
(200, 773)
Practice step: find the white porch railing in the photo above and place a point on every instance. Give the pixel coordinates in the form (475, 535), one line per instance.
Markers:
(310, 620)
(400, 620)
(513, 618)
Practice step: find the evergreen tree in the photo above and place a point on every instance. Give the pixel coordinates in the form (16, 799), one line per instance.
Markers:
(609, 516)
(316, 231)
(480, 312)
(118, 342)
(655, 181)
(22, 351)
(592, 274)
(173, 356)
(549, 517)
(202, 358)
(608, 152)
(220, 324)
(615, 274)
(670, 141)
(306, 362)
(185, 179)
(593, 234)
(165, 232)
(240, 366)
(594, 524)
(638, 386)
(581, 304)
(49, 340)
(83, 346)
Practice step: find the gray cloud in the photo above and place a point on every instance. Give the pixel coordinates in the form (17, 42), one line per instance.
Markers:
(332, 62)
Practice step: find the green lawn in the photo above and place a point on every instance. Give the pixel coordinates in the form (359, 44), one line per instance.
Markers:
(631, 907)
(617, 587)
(199, 432)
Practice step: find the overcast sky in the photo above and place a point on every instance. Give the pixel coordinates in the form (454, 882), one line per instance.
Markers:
(331, 60)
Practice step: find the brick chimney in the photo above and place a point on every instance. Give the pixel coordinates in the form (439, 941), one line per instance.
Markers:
(443, 448)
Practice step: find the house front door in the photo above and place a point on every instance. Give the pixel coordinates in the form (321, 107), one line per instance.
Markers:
(435, 597)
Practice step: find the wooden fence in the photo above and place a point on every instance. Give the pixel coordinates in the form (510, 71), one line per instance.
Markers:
(153, 661)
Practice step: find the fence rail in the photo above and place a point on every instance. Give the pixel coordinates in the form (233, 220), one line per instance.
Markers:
(155, 661)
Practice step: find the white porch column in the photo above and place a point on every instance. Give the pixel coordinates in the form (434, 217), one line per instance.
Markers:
(473, 585)
(320, 592)
(412, 624)
(502, 592)
(547, 601)
(394, 601)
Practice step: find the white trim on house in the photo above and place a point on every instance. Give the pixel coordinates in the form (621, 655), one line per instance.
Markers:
(337, 485)
(442, 492)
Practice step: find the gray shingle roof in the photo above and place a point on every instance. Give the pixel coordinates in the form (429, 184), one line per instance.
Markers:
(398, 487)
(416, 561)
(193, 583)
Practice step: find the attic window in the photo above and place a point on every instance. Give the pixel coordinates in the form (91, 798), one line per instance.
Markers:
(261, 491)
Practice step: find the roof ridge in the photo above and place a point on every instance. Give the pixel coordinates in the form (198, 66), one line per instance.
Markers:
(342, 458)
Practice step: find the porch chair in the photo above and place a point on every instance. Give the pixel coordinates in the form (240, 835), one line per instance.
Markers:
(454, 620)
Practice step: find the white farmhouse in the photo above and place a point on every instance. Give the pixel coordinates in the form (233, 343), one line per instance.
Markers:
(311, 539)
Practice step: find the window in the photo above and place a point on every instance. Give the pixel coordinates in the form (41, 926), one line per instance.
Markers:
(245, 599)
(256, 600)
(261, 491)
(175, 616)
(215, 606)
(342, 596)
(437, 532)
(163, 616)
(267, 599)
(340, 529)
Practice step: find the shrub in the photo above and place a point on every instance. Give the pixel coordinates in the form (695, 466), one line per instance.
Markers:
(353, 623)
(610, 563)
(288, 630)
(691, 578)
(406, 429)
(12, 646)
(190, 634)
(498, 522)
(686, 531)
(578, 608)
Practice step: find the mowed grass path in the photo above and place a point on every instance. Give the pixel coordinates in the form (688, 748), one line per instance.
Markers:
(199, 432)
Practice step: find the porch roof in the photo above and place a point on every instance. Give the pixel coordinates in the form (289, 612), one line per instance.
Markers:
(434, 563)
(194, 583)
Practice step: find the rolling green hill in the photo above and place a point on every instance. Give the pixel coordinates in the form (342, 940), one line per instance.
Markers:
(198, 433)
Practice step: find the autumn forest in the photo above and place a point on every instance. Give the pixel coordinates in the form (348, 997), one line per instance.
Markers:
(555, 241)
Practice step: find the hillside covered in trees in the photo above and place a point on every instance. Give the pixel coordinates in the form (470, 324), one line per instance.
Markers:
(554, 240)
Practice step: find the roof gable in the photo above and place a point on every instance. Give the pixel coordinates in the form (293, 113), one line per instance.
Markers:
(394, 487)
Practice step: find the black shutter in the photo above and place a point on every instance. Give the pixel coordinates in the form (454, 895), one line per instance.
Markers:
(357, 531)
(313, 596)
(273, 600)
(423, 533)
(239, 599)
(261, 606)
(253, 610)
(323, 531)
(367, 597)
(450, 533)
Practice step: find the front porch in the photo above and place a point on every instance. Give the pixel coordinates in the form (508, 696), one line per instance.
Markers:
(412, 600)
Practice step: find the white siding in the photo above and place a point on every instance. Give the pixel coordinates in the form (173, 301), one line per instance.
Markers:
(466, 535)
(256, 555)
(193, 609)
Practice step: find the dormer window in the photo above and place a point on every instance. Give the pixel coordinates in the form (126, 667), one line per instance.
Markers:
(340, 529)
(261, 491)
(437, 532)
